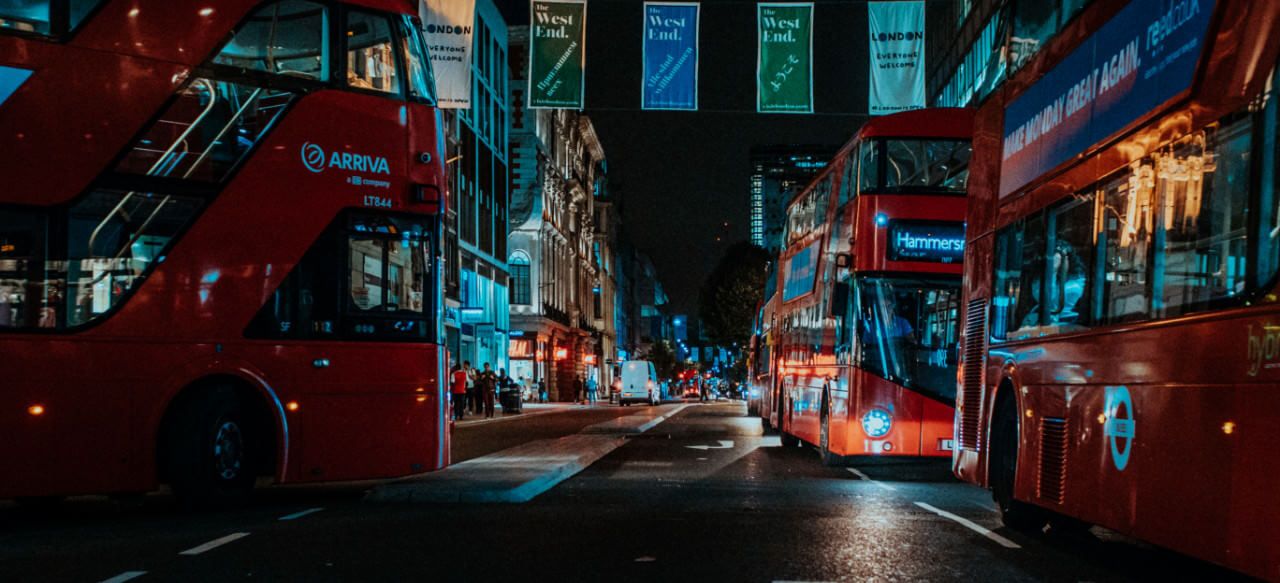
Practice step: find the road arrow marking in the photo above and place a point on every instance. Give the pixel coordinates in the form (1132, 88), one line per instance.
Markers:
(724, 444)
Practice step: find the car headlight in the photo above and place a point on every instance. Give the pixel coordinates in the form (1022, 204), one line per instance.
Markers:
(876, 423)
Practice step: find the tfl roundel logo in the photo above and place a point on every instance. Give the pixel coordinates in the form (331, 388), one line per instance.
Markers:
(313, 157)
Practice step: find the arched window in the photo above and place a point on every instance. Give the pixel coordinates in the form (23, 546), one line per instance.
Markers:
(518, 265)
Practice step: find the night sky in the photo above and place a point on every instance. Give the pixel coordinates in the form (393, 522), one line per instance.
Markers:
(683, 175)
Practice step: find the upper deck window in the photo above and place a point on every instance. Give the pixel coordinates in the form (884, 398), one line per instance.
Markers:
(933, 165)
(46, 17)
(283, 38)
(371, 55)
(417, 61)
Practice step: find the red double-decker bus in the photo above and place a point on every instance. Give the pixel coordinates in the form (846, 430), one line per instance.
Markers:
(867, 311)
(1120, 360)
(218, 245)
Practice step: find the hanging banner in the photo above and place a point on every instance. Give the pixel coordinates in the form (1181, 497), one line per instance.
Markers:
(897, 56)
(447, 26)
(670, 79)
(557, 55)
(784, 58)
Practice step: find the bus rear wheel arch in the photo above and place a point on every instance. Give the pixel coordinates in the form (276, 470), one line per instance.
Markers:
(216, 439)
(1002, 464)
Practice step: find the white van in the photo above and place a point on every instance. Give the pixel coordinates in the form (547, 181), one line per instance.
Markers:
(639, 383)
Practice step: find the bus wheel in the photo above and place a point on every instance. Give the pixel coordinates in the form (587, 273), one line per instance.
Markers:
(824, 439)
(209, 454)
(1003, 468)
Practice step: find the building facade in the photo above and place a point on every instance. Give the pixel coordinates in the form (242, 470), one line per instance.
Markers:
(560, 301)
(777, 173)
(476, 278)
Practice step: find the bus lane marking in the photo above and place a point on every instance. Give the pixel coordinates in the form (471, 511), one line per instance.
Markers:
(971, 525)
(213, 544)
(866, 478)
(297, 515)
(125, 576)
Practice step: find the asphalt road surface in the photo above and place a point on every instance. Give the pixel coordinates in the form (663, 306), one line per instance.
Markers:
(703, 496)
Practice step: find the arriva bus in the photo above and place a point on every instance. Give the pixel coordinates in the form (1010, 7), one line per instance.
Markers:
(218, 246)
(868, 303)
(1121, 350)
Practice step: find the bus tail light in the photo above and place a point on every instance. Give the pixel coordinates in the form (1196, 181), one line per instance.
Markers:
(35, 410)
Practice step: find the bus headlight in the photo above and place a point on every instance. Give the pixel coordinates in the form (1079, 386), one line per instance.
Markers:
(876, 423)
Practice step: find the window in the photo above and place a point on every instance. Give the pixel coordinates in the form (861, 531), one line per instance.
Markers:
(908, 331)
(417, 62)
(521, 286)
(1127, 218)
(386, 293)
(284, 38)
(847, 178)
(46, 17)
(67, 266)
(1203, 184)
(371, 59)
(207, 130)
(1169, 235)
(935, 165)
(869, 167)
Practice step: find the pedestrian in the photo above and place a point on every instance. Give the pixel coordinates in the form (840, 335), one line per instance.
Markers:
(591, 389)
(473, 390)
(487, 382)
(579, 390)
(458, 390)
(542, 391)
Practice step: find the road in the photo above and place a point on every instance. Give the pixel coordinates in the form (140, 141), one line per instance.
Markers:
(703, 496)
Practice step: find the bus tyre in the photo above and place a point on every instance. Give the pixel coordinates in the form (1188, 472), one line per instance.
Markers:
(824, 439)
(209, 458)
(1003, 470)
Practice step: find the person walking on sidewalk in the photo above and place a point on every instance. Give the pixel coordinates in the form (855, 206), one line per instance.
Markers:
(579, 390)
(458, 390)
(542, 391)
(487, 383)
(591, 390)
(473, 390)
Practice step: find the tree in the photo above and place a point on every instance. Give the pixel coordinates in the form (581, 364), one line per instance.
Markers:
(663, 359)
(729, 297)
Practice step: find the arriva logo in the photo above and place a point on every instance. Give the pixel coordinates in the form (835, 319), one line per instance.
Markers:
(313, 158)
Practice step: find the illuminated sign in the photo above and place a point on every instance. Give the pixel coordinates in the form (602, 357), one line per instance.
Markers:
(1120, 425)
(926, 241)
(1139, 59)
(800, 272)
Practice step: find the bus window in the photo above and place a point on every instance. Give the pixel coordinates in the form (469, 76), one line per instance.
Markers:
(1268, 241)
(933, 164)
(1070, 263)
(1127, 219)
(1019, 278)
(371, 60)
(284, 38)
(1204, 190)
(417, 62)
(869, 166)
(36, 16)
(908, 331)
(22, 233)
(389, 267)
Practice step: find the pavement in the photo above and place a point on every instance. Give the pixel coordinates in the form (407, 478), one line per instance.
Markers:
(701, 496)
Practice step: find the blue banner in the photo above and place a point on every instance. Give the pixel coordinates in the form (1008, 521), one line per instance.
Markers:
(670, 79)
(1138, 60)
(802, 269)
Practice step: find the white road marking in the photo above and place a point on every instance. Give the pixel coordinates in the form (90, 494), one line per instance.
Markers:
(215, 543)
(125, 576)
(724, 444)
(971, 525)
(646, 559)
(297, 515)
(862, 476)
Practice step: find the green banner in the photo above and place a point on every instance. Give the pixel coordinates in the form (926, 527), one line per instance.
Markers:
(784, 59)
(557, 36)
